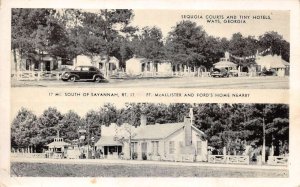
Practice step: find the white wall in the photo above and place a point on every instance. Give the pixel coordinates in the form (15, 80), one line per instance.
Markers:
(133, 66)
(177, 137)
(163, 148)
(165, 67)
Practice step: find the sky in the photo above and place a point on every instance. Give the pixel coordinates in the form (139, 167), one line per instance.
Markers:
(166, 19)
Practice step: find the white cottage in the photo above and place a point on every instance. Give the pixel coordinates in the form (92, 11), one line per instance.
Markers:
(97, 61)
(35, 62)
(273, 62)
(145, 67)
(172, 141)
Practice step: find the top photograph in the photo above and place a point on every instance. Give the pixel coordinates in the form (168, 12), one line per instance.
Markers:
(155, 48)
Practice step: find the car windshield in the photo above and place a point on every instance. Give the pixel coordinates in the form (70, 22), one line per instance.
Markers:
(93, 69)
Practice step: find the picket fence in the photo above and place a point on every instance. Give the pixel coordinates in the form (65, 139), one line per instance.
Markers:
(37, 75)
(228, 159)
(278, 160)
(28, 155)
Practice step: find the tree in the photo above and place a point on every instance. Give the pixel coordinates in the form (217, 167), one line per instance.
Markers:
(214, 50)
(278, 45)
(102, 29)
(130, 114)
(70, 123)
(29, 32)
(149, 44)
(243, 47)
(23, 129)
(185, 44)
(49, 123)
(122, 50)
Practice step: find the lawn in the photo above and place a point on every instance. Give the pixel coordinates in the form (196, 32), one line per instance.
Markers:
(20, 169)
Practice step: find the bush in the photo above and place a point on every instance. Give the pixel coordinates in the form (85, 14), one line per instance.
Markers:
(144, 156)
(134, 155)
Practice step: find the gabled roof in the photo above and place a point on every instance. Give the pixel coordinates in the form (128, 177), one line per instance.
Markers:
(108, 141)
(138, 59)
(157, 131)
(271, 61)
(224, 64)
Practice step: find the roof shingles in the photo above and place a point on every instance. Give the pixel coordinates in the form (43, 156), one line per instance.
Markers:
(157, 131)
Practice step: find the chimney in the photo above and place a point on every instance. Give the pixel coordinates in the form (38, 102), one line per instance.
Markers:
(187, 131)
(143, 120)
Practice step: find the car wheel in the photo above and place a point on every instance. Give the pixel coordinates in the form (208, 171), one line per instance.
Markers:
(98, 79)
(72, 79)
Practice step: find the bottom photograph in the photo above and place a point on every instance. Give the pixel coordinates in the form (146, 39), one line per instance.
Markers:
(151, 140)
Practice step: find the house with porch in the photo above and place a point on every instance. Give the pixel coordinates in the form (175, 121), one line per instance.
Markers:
(225, 63)
(57, 149)
(35, 62)
(171, 141)
(110, 144)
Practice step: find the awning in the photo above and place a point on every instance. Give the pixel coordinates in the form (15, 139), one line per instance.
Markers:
(224, 64)
(58, 144)
(108, 141)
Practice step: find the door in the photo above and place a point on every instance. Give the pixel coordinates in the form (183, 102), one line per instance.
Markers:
(48, 66)
(92, 72)
(144, 150)
(84, 74)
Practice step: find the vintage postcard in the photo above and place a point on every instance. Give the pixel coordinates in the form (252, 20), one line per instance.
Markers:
(120, 94)
(130, 48)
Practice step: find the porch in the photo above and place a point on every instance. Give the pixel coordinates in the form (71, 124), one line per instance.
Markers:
(109, 147)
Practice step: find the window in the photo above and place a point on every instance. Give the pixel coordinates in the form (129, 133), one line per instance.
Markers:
(85, 68)
(171, 147)
(78, 69)
(100, 65)
(199, 147)
(92, 69)
(28, 64)
(155, 147)
(134, 146)
(66, 62)
(36, 66)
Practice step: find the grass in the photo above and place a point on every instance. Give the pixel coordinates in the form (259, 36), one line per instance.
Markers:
(19, 169)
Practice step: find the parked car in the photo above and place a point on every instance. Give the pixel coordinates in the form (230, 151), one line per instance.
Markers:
(83, 73)
(219, 73)
(270, 72)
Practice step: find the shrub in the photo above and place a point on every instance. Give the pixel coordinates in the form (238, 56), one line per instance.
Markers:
(134, 155)
(144, 156)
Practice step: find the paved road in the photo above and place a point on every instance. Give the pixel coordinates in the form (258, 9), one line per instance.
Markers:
(183, 82)
(142, 162)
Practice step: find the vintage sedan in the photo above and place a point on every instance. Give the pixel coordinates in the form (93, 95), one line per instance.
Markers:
(219, 73)
(83, 73)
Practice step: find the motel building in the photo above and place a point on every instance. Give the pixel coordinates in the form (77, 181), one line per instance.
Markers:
(171, 142)
(99, 62)
(137, 66)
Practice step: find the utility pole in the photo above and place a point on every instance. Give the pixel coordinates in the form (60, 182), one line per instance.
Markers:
(263, 154)
(88, 148)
